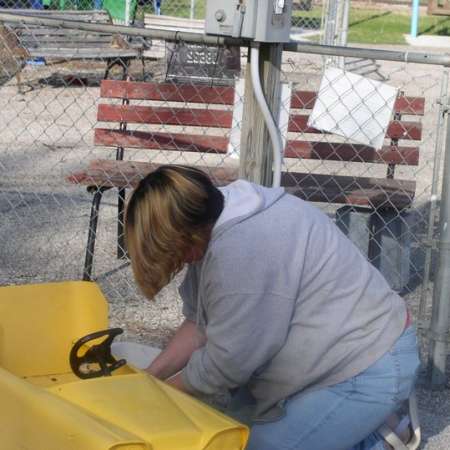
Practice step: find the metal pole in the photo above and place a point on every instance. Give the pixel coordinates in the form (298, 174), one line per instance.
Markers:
(345, 23)
(192, 9)
(440, 320)
(344, 29)
(415, 18)
(366, 53)
(330, 23)
(127, 12)
(168, 35)
(422, 323)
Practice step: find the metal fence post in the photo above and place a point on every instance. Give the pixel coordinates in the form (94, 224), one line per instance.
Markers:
(423, 323)
(330, 28)
(345, 23)
(440, 320)
(343, 32)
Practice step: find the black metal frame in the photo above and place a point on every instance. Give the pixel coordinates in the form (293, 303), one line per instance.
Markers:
(397, 116)
(92, 233)
(123, 62)
(99, 191)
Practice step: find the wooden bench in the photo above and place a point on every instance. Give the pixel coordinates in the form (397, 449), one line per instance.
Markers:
(206, 131)
(60, 43)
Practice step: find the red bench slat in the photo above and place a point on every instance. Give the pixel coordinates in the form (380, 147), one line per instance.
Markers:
(166, 116)
(298, 123)
(389, 154)
(414, 106)
(375, 192)
(161, 141)
(403, 105)
(127, 174)
(223, 119)
(303, 99)
(223, 95)
(219, 144)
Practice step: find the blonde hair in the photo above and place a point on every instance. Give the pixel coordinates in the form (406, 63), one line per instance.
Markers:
(171, 211)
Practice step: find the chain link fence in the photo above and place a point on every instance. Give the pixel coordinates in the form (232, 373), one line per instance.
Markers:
(63, 129)
(395, 236)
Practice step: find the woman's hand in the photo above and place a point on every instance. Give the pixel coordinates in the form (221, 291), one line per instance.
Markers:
(177, 382)
(175, 356)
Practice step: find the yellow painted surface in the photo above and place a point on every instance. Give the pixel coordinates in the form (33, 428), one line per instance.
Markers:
(48, 381)
(32, 418)
(45, 407)
(39, 323)
(152, 410)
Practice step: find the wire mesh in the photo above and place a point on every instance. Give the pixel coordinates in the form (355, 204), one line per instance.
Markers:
(63, 128)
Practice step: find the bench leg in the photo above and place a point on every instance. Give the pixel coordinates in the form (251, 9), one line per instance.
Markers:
(20, 89)
(356, 224)
(143, 67)
(123, 62)
(390, 247)
(121, 251)
(383, 237)
(126, 67)
(109, 64)
(90, 247)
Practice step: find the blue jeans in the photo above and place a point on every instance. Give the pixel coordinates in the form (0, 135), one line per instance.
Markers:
(344, 416)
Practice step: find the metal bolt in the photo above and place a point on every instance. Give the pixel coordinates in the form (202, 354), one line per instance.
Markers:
(220, 15)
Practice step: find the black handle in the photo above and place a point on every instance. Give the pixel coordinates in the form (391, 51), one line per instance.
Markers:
(99, 354)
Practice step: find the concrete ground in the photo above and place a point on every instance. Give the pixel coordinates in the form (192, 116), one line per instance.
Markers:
(46, 133)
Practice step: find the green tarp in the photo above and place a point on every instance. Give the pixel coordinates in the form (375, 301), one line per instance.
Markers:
(121, 11)
(72, 4)
(118, 10)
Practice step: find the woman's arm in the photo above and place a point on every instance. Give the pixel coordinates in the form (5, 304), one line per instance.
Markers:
(175, 356)
(244, 332)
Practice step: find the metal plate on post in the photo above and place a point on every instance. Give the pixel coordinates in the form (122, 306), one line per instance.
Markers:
(202, 63)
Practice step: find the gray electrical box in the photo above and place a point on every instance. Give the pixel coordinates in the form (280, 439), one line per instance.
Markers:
(258, 20)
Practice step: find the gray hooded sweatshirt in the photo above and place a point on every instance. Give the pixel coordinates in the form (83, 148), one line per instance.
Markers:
(287, 302)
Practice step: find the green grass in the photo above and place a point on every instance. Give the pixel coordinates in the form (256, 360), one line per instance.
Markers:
(168, 7)
(366, 26)
(178, 8)
(385, 27)
(378, 27)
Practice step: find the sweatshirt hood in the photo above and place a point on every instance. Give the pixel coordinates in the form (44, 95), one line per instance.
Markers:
(243, 200)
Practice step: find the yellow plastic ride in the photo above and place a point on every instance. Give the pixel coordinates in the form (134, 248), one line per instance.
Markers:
(46, 406)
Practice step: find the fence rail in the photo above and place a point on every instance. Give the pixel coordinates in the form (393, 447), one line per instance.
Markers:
(196, 38)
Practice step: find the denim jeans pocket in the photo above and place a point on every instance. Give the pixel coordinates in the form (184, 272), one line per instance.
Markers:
(391, 379)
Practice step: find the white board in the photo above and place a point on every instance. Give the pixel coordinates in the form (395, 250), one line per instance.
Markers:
(354, 107)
